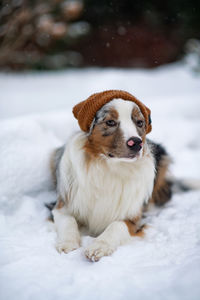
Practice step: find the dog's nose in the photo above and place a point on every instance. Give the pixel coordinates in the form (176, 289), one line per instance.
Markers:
(134, 143)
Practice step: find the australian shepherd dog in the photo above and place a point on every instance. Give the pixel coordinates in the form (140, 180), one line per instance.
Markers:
(105, 178)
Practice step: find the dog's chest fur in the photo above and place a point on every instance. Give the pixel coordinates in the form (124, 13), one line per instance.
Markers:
(104, 190)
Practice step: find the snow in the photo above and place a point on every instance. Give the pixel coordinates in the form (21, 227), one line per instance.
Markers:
(35, 111)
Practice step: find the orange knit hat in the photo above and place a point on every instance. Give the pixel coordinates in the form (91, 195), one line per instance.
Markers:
(86, 110)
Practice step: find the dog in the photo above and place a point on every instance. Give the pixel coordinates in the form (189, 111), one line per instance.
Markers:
(107, 175)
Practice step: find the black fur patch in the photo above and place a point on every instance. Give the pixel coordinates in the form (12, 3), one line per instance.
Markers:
(50, 206)
(149, 119)
(164, 193)
(158, 152)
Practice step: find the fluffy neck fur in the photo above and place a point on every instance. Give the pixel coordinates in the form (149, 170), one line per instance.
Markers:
(104, 190)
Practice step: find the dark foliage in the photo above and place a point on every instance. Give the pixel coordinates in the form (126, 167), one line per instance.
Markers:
(52, 34)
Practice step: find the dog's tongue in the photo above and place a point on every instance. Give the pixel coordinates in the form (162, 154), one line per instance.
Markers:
(131, 143)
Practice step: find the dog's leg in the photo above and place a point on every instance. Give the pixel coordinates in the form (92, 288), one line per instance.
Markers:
(68, 236)
(116, 234)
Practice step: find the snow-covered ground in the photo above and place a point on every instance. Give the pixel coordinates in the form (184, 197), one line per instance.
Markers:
(35, 112)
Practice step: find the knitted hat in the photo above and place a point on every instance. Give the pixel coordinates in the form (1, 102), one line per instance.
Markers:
(86, 110)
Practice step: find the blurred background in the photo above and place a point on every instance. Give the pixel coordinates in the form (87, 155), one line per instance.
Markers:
(57, 34)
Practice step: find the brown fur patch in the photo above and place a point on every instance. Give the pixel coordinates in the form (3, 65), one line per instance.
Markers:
(162, 187)
(140, 232)
(60, 203)
(113, 114)
(50, 219)
(133, 228)
(97, 143)
(106, 140)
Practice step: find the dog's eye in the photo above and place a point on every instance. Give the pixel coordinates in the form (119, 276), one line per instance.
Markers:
(140, 123)
(111, 123)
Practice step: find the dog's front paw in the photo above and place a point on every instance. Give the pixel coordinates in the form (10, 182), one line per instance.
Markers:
(98, 249)
(67, 246)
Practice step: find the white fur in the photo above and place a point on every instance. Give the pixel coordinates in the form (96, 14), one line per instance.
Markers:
(115, 234)
(68, 236)
(104, 193)
(124, 109)
(108, 190)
